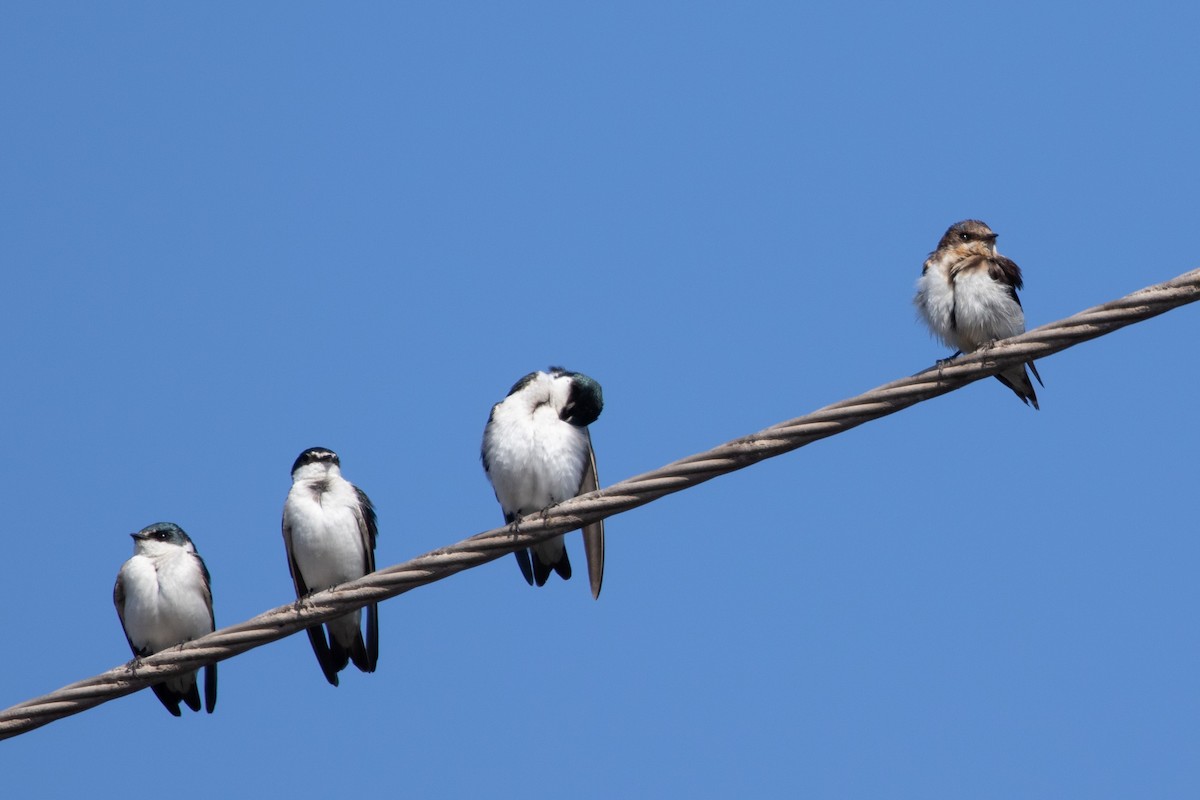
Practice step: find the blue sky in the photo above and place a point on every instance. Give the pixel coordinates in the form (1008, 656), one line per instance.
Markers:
(235, 231)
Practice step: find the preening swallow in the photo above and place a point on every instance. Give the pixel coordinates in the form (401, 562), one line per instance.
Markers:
(537, 452)
(329, 530)
(163, 597)
(967, 295)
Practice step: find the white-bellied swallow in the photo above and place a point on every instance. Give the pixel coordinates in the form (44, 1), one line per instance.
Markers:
(164, 598)
(967, 295)
(329, 530)
(537, 452)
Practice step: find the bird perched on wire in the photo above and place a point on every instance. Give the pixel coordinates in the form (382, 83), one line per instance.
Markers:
(329, 530)
(967, 295)
(537, 452)
(163, 597)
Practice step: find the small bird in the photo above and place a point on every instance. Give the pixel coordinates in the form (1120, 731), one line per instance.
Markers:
(329, 529)
(163, 597)
(967, 295)
(537, 452)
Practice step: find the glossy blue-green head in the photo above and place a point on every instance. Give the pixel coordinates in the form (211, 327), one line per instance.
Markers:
(163, 533)
(585, 400)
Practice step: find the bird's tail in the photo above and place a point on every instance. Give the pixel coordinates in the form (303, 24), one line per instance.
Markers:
(192, 695)
(169, 698)
(331, 663)
(550, 557)
(1017, 379)
(346, 642)
(359, 655)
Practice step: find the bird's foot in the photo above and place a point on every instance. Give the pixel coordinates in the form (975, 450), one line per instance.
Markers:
(942, 362)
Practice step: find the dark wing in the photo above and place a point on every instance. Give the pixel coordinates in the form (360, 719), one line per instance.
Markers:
(368, 528)
(521, 555)
(483, 445)
(210, 671)
(192, 696)
(593, 534)
(368, 525)
(487, 468)
(119, 602)
(1005, 271)
(207, 590)
(210, 688)
(316, 633)
(297, 578)
(169, 699)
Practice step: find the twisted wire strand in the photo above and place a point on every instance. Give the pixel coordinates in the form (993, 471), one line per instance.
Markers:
(615, 499)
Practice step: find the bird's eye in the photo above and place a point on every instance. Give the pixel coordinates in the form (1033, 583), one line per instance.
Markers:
(965, 237)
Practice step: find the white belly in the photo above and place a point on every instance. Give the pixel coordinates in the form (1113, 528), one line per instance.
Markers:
(535, 460)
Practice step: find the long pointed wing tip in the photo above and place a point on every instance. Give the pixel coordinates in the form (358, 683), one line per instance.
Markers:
(593, 547)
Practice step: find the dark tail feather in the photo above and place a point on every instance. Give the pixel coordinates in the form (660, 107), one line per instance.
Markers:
(358, 654)
(542, 570)
(325, 657)
(168, 698)
(339, 656)
(522, 555)
(523, 563)
(1017, 379)
(192, 695)
(1033, 369)
(210, 688)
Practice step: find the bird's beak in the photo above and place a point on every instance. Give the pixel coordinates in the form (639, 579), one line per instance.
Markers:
(139, 535)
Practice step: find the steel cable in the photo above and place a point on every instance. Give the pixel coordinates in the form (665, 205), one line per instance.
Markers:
(619, 497)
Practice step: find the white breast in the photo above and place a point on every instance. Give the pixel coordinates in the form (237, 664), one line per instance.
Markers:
(167, 605)
(984, 310)
(327, 543)
(534, 458)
